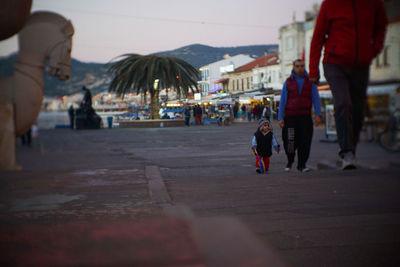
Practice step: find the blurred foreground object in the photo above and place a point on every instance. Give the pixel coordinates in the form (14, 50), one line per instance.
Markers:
(45, 36)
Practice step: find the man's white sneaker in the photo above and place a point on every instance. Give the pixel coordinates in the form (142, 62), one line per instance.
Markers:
(306, 169)
(348, 162)
(288, 167)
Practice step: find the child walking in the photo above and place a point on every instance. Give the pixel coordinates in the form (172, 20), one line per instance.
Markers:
(262, 143)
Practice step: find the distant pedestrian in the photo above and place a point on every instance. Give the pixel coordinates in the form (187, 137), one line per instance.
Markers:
(255, 112)
(26, 138)
(249, 111)
(199, 115)
(297, 97)
(187, 116)
(262, 142)
(243, 109)
(235, 110)
(260, 109)
(192, 120)
(71, 114)
(352, 34)
(267, 112)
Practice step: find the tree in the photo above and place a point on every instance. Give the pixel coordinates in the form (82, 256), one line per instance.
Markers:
(152, 73)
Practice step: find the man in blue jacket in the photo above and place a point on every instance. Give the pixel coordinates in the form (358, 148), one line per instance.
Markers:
(298, 96)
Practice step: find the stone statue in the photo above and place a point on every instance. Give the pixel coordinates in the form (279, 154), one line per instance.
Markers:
(45, 36)
(87, 97)
(86, 117)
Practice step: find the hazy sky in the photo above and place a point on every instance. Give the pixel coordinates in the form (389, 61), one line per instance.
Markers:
(105, 29)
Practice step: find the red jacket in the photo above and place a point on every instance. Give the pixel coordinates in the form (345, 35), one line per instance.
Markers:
(352, 32)
(298, 104)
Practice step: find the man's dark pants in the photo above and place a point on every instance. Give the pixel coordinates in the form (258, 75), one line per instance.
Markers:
(297, 135)
(349, 88)
(187, 120)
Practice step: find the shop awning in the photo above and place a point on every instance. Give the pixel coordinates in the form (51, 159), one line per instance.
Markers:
(325, 94)
(253, 94)
(261, 97)
(244, 100)
(223, 80)
(225, 101)
(383, 89)
(215, 90)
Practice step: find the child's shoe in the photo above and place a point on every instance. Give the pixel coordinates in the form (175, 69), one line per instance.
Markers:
(258, 170)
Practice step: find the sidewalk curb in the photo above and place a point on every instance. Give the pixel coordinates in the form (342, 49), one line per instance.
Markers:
(157, 189)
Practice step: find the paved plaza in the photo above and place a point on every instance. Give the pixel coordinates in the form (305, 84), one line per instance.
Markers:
(191, 197)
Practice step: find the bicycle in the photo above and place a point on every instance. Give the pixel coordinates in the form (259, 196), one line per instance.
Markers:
(389, 139)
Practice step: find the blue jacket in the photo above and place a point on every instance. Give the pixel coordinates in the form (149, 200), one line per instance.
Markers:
(284, 94)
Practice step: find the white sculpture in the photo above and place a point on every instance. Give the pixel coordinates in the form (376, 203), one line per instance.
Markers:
(45, 36)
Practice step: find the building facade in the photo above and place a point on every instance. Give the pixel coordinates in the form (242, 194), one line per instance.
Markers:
(258, 74)
(268, 75)
(213, 72)
(386, 66)
(291, 46)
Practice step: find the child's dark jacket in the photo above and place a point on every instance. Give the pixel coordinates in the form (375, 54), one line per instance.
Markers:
(264, 143)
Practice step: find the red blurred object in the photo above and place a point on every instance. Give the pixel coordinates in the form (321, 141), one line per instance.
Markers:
(13, 15)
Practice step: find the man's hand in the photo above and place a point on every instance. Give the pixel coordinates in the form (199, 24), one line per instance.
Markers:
(314, 80)
(317, 120)
(281, 123)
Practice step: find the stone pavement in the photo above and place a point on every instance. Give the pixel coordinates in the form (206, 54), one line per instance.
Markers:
(191, 197)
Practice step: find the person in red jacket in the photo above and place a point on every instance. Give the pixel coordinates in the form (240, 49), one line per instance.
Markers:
(352, 33)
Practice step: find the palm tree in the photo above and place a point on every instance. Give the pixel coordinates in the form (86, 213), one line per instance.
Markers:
(152, 73)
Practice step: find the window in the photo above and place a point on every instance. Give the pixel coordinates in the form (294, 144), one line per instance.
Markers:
(205, 74)
(242, 85)
(386, 56)
(382, 60)
(289, 43)
(377, 63)
(237, 84)
(248, 83)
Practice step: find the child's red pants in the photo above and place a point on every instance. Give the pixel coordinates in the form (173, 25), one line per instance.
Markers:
(266, 162)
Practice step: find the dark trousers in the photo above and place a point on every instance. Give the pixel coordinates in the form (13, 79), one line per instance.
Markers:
(349, 90)
(199, 119)
(26, 138)
(71, 122)
(297, 135)
(187, 121)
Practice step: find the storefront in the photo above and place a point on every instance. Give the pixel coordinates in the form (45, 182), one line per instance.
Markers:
(383, 98)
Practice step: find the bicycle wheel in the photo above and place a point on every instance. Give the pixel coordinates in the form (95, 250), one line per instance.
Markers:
(390, 140)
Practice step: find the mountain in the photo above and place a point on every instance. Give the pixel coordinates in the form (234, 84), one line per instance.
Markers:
(95, 75)
(92, 75)
(199, 55)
